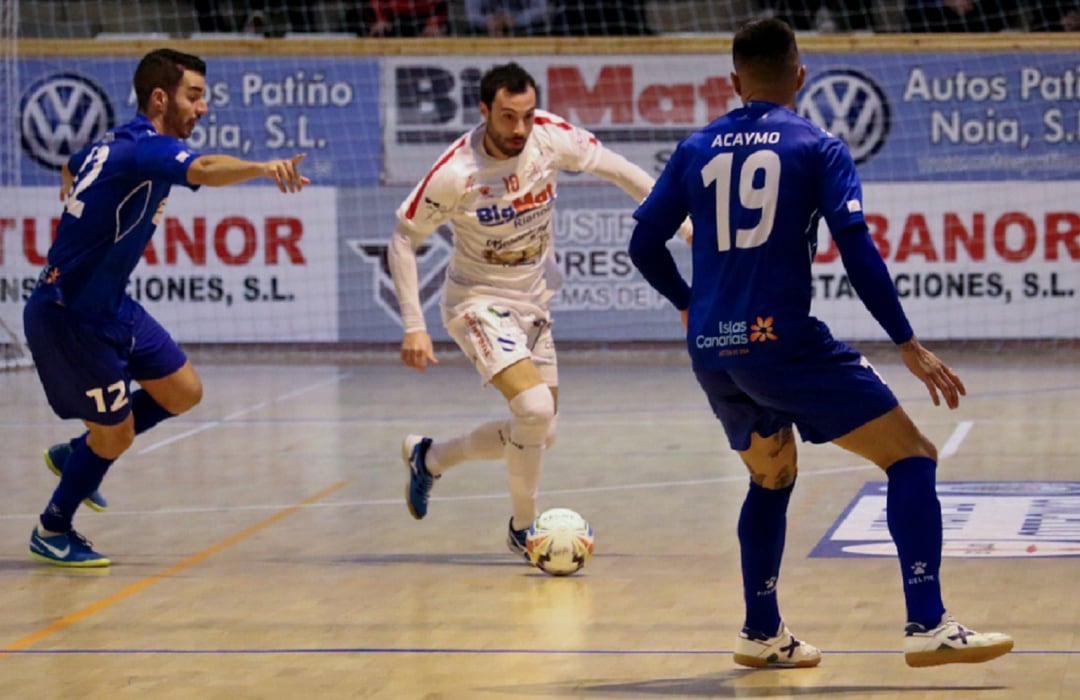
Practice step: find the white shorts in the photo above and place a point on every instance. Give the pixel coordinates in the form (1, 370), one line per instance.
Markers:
(497, 334)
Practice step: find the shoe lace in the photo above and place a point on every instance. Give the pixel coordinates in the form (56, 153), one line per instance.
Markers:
(79, 539)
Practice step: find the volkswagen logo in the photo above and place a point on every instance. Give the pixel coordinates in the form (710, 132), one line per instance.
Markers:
(850, 106)
(61, 113)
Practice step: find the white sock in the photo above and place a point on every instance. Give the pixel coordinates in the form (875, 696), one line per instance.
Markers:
(486, 441)
(523, 473)
(531, 414)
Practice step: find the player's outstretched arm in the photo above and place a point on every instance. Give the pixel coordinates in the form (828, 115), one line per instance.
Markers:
(931, 371)
(219, 170)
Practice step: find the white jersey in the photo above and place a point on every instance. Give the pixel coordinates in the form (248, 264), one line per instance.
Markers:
(500, 211)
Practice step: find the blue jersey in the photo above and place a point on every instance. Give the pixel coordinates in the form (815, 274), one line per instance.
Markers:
(755, 183)
(118, 197)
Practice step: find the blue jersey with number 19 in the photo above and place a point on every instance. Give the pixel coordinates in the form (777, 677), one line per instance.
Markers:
(118, 197)
(755, 182)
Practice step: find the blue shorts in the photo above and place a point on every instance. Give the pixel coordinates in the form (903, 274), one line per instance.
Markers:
(827, 392)
(86, 363)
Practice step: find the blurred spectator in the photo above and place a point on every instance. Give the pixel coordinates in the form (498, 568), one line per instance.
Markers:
(279, 16)
(961, 15)
(1056, 16)
(210, 17)
(600, 17)
(507, 17)
(397, 18)
(849, 15)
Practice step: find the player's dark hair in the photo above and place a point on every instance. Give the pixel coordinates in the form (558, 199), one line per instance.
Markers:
(163, 68)
(766, 48)
(511, 76)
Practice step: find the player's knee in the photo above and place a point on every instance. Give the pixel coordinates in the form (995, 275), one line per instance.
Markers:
(184, 396)
(553, 429)
(533, 411)
(192, 395)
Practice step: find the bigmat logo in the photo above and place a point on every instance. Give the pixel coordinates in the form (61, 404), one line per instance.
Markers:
(61, 113)
(619, 102)
(642, 106)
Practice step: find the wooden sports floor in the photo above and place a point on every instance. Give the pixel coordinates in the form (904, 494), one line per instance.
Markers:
(261, 546)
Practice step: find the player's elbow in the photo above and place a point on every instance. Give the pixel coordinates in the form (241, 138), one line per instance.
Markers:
(199, 172)
(642, 248)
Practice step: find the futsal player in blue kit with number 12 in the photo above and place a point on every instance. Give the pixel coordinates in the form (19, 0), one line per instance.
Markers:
(755, 183)
(89, 339)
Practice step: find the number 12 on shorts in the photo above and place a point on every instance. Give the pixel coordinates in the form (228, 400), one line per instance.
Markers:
(118, 393)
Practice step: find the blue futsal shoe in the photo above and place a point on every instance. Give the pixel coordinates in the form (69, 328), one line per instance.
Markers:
(414, 451)
(69, 549)
(55, 458)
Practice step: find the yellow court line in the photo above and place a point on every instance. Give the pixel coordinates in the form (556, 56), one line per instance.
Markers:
(134, 588)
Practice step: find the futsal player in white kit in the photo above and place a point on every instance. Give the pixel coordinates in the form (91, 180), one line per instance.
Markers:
(495, 187)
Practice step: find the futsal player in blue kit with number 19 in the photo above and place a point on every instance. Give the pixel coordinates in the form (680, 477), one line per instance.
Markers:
(755, 183)
(88, 338)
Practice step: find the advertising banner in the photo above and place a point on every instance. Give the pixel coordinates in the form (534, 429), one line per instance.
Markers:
(220, 268)
(259, 109)
(910, 116)
(996, 261)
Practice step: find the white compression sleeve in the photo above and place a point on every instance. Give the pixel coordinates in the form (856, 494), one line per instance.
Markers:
(533, 411)
(401, 258)
(625, 175)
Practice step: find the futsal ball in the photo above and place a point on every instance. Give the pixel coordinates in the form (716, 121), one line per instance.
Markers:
(559, 542)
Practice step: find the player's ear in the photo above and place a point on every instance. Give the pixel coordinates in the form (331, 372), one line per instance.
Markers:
(159, 99)
(485, 111)
(736, 83)
(800, 78)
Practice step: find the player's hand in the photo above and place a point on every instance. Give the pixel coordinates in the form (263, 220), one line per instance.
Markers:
(66, 182)
(286, 173)
(417, 351)
(935, 374)
(686, 231)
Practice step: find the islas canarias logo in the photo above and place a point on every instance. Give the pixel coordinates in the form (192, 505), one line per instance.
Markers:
(762, 331)
(736, 337)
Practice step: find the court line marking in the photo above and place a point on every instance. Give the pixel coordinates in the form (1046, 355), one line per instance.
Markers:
(69, 620)
(396, 501)
(462, 650)
(953, 443)
(243, 412)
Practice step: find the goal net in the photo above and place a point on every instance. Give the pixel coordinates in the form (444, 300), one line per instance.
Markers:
(968, 145)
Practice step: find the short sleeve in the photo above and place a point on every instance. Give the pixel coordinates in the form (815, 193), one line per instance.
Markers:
(165, 159)
(75, 162)
(840, 194)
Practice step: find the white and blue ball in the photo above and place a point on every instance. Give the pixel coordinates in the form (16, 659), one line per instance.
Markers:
(560, 542)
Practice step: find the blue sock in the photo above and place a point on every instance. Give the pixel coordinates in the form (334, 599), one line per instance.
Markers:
(762, 529)
(146, 411)
(914, 517)
(83, 472)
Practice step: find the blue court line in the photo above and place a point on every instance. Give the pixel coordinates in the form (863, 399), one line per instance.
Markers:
(459, 650)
